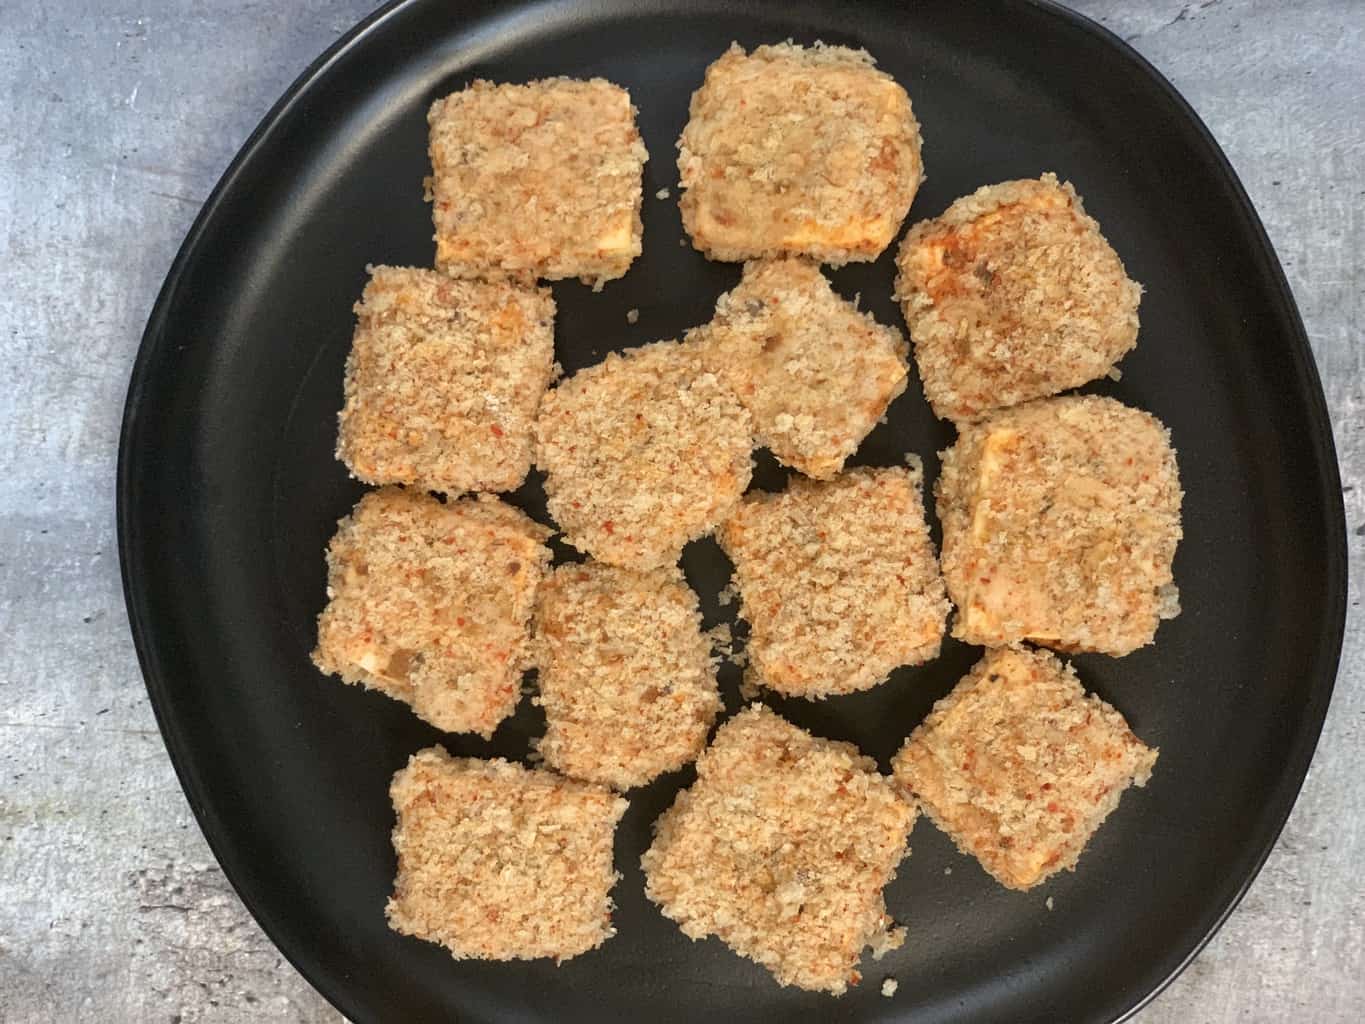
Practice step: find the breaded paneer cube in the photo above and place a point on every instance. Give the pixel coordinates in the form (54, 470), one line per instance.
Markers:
(444, 380)
(431, 604)
(627, 679)
(642, 453)
(541, 180)
(781, 849)
(1060, 522)
(815, 374)
(1013, 294)
(500, 862)
(799, 151)
(838, 580)
(1019, 767)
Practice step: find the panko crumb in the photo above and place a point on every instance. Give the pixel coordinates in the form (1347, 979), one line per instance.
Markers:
(889, 987)
(663, 193)
(1048, 903)
(781, 849)
(838, 580)
(542, 180)
(1013, 294)
(431, 604)
(501, 862)
(815, 374)
(1060, 523)
(627, 679)
(642, 453)
(443, 380)
(801, 151)
(722, 640)
(632, 316)
(1019, 767)
(888, 941)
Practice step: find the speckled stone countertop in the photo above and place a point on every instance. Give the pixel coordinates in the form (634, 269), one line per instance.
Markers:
(118, 118)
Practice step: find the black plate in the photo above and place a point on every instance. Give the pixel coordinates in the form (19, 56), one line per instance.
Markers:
(228, 493)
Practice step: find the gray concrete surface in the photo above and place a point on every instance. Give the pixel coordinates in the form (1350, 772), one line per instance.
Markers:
(117, 119)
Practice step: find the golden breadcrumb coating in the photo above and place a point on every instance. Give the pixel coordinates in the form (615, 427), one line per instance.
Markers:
(815, 374)
(1013, 294)
(541, 180)
(803, 151)
(642, 453)
(431, 604)
(499, 862)
(1060, 522)
(443, 381)
(627, 679)
(781, 849)
(1019, 767)
(838, 580)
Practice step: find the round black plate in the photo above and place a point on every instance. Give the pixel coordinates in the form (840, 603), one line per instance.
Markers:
(228, 493)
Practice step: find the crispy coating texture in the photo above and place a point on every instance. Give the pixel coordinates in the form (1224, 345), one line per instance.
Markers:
(443, 381)
(499, 862)
(541, 180)
(431, 604)
(838, 580)
(803, 151)
(1013, 294)
(642, 453)
(1019, 767)
(1060, 523)
(781, 849)
(815, 374)
(627, 679)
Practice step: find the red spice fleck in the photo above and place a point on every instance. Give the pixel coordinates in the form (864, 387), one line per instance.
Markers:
(496, 430)
(609, 526)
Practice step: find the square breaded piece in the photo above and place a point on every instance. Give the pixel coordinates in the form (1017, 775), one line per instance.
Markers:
(1019, 767)
(838, 580)
(642, 453)
(1060, 521)
(1013, 294)
(815, 374)
(431, 604)
(801, 151)
(541, 180)
(443, 381)
(500, 862)
(781, 849)
(627, 679)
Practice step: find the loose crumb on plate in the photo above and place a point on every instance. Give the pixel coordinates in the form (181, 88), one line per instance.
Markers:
(889, 987)
(632, 316)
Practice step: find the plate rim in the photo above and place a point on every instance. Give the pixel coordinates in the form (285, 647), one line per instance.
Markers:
(132, 546)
